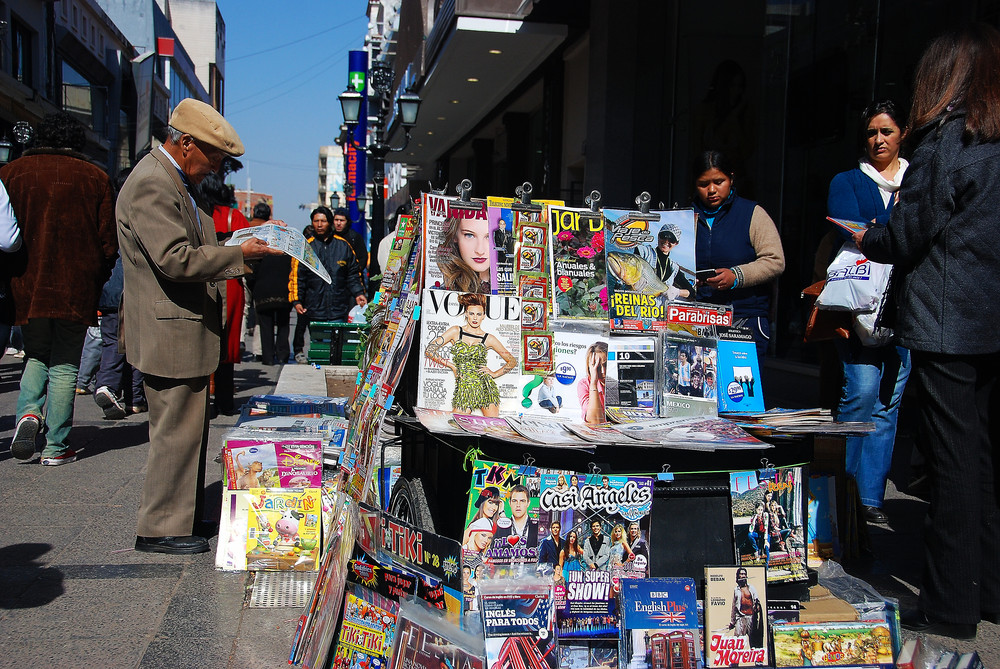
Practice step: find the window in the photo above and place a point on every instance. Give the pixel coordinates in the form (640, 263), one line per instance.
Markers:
(22, 45)
(179, 89)
(84, 100)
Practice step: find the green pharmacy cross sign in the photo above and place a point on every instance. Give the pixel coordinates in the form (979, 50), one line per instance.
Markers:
(356, 80)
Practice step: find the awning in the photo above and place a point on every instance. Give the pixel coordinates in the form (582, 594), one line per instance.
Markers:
(499, 54)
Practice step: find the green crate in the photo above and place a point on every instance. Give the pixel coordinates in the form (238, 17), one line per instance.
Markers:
(334, 343)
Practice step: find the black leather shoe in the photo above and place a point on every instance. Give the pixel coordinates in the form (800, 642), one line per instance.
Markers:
(172, 545)
(917, 621)
(873, 514)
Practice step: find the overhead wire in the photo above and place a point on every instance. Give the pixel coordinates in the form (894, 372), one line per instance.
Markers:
(296, 41)
(303, 73)
(284, 93)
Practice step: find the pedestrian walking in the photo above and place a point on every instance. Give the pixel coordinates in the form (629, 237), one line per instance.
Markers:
(55, 299)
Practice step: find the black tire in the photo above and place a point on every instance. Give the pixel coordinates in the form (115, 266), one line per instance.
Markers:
(410, 503)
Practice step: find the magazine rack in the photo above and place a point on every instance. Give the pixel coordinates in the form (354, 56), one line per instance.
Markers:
(691, 516)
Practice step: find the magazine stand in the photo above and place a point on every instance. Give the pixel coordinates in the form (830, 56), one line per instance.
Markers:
(691, 517)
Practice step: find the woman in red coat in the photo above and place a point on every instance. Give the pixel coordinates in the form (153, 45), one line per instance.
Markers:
(227, 221)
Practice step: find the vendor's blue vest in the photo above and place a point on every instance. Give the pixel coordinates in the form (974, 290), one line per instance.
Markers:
(726, 244)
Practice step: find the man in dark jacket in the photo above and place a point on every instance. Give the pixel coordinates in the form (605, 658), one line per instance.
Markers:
(309, 294)
(342, 228)
(56, 297)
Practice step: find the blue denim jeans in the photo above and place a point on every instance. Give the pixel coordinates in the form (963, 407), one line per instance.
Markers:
(757, 542)
(90, 358)
(51, 359)
(115, 372)
(874, 378)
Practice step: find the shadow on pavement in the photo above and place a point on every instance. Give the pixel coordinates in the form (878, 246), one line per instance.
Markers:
(114, 436)
(24, 582)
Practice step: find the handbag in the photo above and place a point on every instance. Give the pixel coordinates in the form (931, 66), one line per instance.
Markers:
(853, 282)
(823, 324)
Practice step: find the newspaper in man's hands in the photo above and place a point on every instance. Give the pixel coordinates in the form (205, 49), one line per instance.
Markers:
(286, 240)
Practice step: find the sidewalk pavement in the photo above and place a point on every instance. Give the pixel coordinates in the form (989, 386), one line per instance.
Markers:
(73, 592)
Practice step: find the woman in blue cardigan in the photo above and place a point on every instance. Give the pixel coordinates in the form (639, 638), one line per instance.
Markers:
(874, 376)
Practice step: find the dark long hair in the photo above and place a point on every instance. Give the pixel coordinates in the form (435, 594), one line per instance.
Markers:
(960, 71)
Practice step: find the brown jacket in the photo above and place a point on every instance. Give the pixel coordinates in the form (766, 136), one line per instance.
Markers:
(65, 207)
(175, 271)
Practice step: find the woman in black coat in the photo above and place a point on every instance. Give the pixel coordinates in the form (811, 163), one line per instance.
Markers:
(269, 286)
(942, 238)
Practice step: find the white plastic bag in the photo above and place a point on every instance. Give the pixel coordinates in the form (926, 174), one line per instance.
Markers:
(853, 282)
(867, 327)
(357, 315)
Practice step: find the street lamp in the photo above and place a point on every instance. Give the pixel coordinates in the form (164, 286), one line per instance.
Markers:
(408, 106)
(5, 147)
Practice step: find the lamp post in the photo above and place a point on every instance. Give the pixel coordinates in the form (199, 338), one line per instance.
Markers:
(408, 105)
(5, 147)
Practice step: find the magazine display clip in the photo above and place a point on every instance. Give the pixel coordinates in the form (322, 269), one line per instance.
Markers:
(767, 469)
(594, 202)
(524, 193)
(464, 201)
(593, 468)
(442, 191)
(642, 201)
(527, 469)
(664, 474)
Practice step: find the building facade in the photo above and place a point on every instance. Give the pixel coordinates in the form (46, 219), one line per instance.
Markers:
(331, 177)
(199, 26)
(117, 65)
(247, 199)
(163, 72)
(70, 56)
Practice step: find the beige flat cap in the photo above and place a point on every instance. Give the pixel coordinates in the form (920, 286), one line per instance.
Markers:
(204, 123)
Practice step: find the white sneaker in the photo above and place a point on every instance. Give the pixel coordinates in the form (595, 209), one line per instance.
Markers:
(114, 408)
(22, 446)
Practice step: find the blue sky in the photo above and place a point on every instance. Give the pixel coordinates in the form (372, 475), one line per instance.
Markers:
(286, 63)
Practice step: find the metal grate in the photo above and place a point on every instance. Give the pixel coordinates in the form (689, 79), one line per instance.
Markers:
(276, 589)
